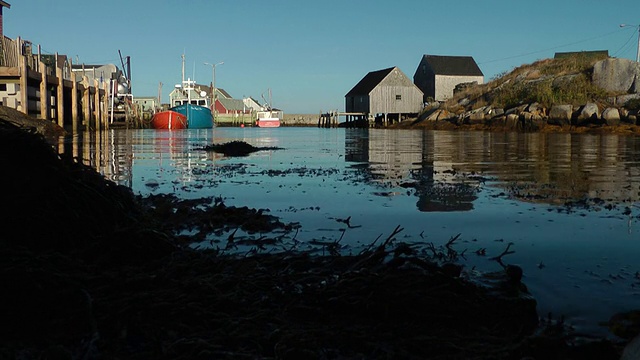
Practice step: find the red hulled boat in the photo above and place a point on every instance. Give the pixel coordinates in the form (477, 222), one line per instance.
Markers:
(169, 119)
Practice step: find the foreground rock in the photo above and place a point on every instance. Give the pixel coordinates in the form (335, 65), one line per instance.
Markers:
(45, 128)
(89, 273)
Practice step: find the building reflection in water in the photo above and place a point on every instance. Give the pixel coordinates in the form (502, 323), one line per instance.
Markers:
(118, 153)
(444, 167)
(398, 159)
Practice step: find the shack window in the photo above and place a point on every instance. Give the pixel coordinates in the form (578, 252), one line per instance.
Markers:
(398, 97)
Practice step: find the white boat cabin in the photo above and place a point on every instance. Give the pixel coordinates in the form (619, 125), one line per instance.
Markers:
(190, 93)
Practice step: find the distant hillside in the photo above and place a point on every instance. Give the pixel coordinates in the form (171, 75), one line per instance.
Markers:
(568, 92)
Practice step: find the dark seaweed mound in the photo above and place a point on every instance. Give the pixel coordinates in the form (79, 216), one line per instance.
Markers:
(236, 148)
(89, 271)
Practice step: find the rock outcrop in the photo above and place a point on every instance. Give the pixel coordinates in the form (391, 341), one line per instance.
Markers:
(619, 75)
(567, 94)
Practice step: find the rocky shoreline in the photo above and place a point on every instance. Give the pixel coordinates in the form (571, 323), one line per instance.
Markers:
(576, 95)
(528, 118)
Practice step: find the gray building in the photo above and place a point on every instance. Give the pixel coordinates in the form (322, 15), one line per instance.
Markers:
(437, 76)
(384, 92)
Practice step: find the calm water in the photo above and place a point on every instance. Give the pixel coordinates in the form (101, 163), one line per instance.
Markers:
(579, 262)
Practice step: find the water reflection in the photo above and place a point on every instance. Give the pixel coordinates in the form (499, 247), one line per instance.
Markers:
(442, 169)
(550, 168)
(405, 159)
(494, 188)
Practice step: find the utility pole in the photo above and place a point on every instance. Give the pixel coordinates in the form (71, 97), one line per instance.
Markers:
(638, 51)
(213, 90)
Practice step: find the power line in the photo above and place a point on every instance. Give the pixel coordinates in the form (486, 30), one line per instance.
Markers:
(552, 48)
(625, 45)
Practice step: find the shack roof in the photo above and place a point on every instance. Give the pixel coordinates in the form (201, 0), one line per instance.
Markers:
(369, 82)
(453, 65)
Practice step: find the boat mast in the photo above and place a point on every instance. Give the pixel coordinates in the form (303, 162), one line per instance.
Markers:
(186, 86)
(182, 69)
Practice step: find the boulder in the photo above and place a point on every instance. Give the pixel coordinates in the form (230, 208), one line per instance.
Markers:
(475, 117)
(560, 115)
(530, 122)
(499, 112)
(617, 75)
(433, 116)
(536, 109)
(516, 110)
(588, 113)
(622, 100)
(512, 121)
(611, 116)
(444, 115)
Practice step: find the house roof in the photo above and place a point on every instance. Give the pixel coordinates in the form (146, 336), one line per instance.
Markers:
(223, 92)
(232, 104)
(207, 89)
(5, 4)
(369, 82)
(453, 65)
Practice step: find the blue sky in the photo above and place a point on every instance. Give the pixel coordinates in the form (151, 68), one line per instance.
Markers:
(310, 54)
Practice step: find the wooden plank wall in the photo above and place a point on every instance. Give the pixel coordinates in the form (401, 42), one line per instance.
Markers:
(43, 88)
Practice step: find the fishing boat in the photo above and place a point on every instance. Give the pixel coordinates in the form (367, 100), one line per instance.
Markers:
(168, 119)
(268, 116)
(198, 117)
(192, 101)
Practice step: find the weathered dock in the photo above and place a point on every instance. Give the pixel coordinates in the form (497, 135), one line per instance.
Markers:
(46, 87)
(353, 119)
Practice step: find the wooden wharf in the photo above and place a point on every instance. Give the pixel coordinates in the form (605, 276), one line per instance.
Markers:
(46, 87)
(353, 119)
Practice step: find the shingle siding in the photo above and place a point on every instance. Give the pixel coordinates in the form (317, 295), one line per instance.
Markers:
(437, 76)
(384, 91)
(445, 84)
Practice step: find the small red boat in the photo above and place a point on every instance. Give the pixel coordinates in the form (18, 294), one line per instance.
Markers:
(269, 118)
(168, 119)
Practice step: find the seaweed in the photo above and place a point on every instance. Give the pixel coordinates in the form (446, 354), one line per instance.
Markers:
(236, 148)
(93, 272)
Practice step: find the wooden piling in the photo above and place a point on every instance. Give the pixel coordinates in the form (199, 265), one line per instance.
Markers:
(42, 91)
(44, 104)
(74, 103)
(59, 90)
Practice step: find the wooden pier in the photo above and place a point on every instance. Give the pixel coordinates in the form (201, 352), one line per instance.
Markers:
(353, 120)
(45, 87)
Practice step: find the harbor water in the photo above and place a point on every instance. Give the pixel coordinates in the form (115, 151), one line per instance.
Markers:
(566, 205)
